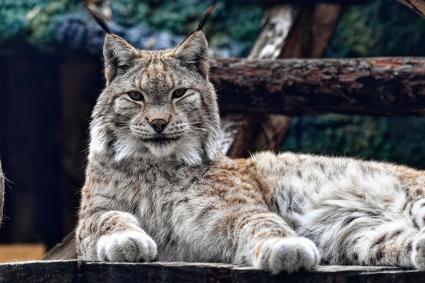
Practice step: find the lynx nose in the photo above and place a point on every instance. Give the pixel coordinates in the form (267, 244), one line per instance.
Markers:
(158, 125)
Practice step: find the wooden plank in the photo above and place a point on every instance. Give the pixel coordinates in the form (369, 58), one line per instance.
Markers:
(371, 86)
(79, 271)
(21, 252)
(39, 271)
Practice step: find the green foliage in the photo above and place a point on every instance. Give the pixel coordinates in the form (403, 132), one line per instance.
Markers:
(13, 18)
(381, 28)
(231, 22)
(41, 26)
(397, 140)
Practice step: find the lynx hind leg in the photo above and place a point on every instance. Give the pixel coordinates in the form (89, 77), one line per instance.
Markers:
(346, 236)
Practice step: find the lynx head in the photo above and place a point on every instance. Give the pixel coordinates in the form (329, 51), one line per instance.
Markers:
(156, 104)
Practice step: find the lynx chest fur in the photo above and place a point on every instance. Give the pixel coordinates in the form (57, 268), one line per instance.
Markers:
(166, 198)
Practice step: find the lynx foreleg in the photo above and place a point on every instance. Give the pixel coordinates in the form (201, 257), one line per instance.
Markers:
(265, 241)
(114, 236)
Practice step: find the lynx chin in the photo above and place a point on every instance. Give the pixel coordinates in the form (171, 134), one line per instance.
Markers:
(157, 188)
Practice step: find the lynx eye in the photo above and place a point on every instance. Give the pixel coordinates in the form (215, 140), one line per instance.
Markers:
(136, 96)
(177, 93)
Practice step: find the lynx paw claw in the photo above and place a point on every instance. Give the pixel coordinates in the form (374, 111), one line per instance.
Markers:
(287, 254)
(130, 246)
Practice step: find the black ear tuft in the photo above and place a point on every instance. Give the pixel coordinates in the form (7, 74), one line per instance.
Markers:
(208, 12)
(99, 20)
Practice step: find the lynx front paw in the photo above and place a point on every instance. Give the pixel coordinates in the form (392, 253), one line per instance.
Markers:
(131, 246)
(287, 254)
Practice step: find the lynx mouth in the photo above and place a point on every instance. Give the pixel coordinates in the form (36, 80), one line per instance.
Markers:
(161, 140)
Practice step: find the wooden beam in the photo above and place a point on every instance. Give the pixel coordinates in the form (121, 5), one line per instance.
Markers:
(373, 86)
(416, 5)
(82, 271)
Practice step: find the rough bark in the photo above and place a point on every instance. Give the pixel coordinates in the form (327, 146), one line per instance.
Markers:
(416, 5)
(373, 86)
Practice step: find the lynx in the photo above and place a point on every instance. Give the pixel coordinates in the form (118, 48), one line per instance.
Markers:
(157, 187)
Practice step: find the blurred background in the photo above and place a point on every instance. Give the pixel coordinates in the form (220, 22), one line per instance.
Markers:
(51, 74)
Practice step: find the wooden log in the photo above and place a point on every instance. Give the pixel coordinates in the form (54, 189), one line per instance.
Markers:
(373, 86)
(416, 5)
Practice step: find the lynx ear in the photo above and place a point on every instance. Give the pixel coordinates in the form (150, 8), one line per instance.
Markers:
(119, 56)
(193, 52)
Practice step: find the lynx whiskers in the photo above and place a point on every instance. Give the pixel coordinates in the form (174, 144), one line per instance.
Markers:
(157, 188)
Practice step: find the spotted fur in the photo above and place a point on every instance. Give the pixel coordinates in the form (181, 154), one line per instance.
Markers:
(172, 196)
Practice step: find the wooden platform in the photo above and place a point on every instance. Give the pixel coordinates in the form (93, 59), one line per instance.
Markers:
(78, 271)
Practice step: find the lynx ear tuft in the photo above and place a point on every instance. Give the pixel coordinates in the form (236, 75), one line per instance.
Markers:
(193, 51)
(98, 19)
(208, 12)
